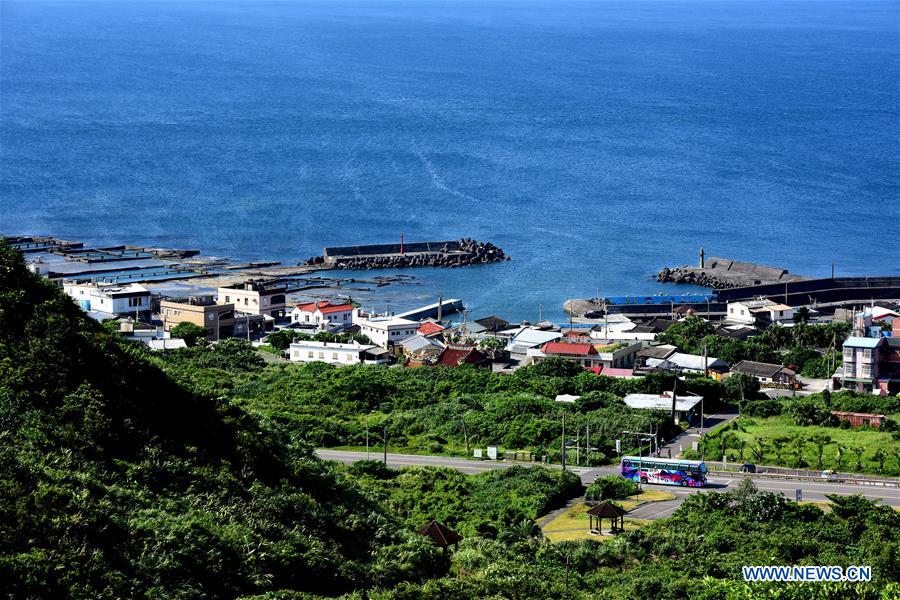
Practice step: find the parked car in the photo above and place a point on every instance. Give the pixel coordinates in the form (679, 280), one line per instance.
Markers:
(829, 474)
(748, 468)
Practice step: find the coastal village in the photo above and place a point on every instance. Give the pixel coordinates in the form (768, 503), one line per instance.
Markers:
(615, 337)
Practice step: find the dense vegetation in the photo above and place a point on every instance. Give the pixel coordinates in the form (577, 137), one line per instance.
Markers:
(115, 481)
(434, 410)
(493, 504)
(811, 348)
(119, 479)
(697, 553)
(801, 432)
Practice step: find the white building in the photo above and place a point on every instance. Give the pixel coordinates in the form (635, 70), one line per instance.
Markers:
(750, 312)
(386, 330)
(690, 363)
(522, 339)
(336, 354)
(255, 298)
(117, 299)
(686, 405)
(322, 314)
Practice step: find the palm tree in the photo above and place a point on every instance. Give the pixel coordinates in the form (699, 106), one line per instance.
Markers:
(798, 443)
(880, 456)
(759, 450)
(741, 445)
(525, 530)
(820, 441)
(858, 451)
(778, 445)
(839, 456)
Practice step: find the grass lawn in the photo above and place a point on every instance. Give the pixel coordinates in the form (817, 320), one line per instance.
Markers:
(572, 523)
(766, 430)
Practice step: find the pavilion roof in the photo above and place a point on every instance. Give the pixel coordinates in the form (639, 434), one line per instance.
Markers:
(607, 509)
(440, 535)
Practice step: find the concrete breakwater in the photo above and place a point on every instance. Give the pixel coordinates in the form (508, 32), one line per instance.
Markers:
(453, 253)
(725, 273)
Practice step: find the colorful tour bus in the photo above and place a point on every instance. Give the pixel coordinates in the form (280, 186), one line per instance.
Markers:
(668, 471)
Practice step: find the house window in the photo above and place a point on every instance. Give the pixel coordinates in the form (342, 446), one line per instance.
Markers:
(867, 370)
(334, 356)
(322, 355)
(867, 354)
(312, 355)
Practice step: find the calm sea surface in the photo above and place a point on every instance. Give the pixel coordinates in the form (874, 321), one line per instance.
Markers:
(595, 141)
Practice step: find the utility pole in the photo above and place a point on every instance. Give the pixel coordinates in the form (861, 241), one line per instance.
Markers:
(587, 442)
(577, 448)
(465, 433)
(385, 445)
(642, 436)
(564, 441)
(367, 435)
(705, 374)
(674, 397)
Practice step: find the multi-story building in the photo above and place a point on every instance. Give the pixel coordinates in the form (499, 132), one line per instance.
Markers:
(322, 313)
(217, 319)
(860, 363)
(385, 331)
(871, 364)
(111, 298)
(255, 297)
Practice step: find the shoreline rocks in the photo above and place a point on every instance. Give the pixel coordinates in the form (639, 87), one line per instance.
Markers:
(470, 252)
(692, 276)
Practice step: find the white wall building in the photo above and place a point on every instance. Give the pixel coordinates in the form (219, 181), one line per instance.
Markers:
(749, 312)
(322, 314)
(686, 405)
(335, 354)
(255, 298)
(118, 299)
(384, 330)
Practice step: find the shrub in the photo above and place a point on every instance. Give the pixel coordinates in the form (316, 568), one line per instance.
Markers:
(763, 408)
(611, 487)
(190, 333)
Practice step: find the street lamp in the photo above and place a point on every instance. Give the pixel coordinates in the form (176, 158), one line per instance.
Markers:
(218, 324)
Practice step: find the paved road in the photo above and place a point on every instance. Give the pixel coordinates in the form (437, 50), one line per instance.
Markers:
(814, 491)
(684, 441)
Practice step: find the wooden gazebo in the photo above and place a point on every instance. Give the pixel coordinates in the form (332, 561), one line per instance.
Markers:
(607, 510)
(440, 535)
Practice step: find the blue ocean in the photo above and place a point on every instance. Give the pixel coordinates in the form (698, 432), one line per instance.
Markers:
(596, 142)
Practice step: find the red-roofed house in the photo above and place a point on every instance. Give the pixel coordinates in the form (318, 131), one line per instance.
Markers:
(457, 356)
(619, 355)
(430, 328)
(578, 336)
(613, 372)
(316, 313)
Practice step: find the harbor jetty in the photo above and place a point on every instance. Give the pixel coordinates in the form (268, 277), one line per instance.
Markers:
(450, 253)
(723, 273)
